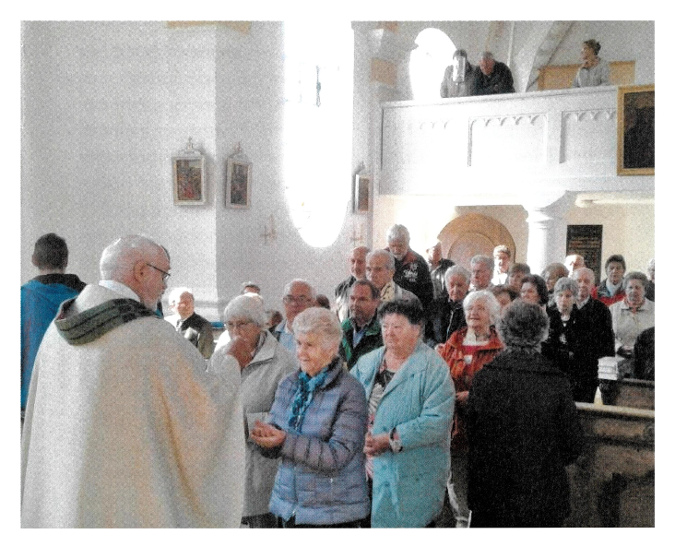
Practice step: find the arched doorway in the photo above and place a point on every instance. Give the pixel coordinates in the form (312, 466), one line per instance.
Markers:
(472, 234)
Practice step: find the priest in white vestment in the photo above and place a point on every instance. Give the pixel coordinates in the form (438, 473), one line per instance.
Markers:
(125, 425)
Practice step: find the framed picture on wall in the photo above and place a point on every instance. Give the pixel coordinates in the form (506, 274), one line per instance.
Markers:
(362, 193)
(238, 180)
(188, 177)
(635, 125)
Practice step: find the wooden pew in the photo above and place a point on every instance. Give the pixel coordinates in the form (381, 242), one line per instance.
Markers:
(612, 482)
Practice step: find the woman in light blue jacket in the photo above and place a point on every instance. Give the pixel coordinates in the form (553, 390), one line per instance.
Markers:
(410, 404)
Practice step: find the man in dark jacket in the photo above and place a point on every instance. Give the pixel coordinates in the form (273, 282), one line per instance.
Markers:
(494, 77)
(412, 271)
(361, 331)
(41, 298)
(195, 328)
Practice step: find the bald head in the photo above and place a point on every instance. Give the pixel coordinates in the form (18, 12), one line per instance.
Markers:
(357, 262)
(139, 263)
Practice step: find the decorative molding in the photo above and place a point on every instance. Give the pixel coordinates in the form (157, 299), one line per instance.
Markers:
(590, 115)
(240, 26)
(502, 120)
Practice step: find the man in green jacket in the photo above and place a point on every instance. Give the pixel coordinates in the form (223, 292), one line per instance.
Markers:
(361, 331)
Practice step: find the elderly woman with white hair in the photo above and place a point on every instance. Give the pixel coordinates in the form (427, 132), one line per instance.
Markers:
(245, 318)
(523, 429)
(466, 352)
(317, 427)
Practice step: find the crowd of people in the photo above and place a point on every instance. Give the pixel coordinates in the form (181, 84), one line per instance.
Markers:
(421, 376)
(492, 77)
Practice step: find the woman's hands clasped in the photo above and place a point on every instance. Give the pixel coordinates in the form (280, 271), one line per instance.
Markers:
(266, 435)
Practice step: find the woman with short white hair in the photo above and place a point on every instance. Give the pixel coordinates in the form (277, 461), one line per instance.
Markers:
(245, 318)
(466, 352)
(317, 427)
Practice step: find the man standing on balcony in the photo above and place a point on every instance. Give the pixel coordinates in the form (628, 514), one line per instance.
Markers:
(494, 77)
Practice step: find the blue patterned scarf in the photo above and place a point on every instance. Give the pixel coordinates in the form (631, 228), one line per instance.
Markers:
(303, 396)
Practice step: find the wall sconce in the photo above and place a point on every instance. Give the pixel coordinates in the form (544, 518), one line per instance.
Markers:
(269, 231)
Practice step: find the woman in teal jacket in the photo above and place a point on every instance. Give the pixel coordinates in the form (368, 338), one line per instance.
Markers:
(410, 403)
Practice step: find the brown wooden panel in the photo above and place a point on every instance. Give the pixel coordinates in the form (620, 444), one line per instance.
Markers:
(562, 76)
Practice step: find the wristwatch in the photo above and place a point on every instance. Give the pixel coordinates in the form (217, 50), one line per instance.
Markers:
(394, 443)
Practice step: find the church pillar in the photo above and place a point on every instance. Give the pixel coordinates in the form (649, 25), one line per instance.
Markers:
(547, 236)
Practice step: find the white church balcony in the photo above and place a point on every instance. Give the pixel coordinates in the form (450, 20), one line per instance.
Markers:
(504, 149)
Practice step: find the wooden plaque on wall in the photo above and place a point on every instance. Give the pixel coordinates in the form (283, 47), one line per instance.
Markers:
(586, 240)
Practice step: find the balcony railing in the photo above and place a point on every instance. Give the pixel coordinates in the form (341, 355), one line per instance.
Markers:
(504, 145)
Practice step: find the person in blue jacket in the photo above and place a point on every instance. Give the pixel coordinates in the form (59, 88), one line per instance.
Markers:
(41, 298)
(410, 403)
(317, 428)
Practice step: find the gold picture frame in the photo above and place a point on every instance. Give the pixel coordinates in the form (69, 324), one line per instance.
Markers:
(238, 180)
(635, 130)
(188, 177)
(362, 193)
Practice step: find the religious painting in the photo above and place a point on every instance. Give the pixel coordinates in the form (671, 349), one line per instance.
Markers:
(361, 193)
(636, 130)
(238, 184)
(188, 177)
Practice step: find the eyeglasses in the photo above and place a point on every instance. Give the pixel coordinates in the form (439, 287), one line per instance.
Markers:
(299, 299)
(237, 325)
(165, 274)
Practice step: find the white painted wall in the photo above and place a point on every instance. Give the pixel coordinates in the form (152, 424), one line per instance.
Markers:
(105, 105)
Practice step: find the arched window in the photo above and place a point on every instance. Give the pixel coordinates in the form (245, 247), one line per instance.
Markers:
(319, 63)
(428, 62)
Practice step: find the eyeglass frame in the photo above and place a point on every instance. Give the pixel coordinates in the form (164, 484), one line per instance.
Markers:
(296, 299)
(236, 325)
(165, 274)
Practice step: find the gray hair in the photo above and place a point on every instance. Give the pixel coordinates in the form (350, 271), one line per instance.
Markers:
(487, 55)
(566, 283)
(289, 286)
(119, 258)
(176, 293)
(490, 300)
(523, 325)
(398, 232)
(501, 248)
(457, 270)
(577, 273)
(635, 276)
(246, 307)
(391, 262)
(249, 284)
(322, 322)
(482, 258)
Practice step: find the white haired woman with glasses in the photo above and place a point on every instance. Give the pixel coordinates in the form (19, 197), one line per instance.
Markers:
(245, 318)
(466, 352)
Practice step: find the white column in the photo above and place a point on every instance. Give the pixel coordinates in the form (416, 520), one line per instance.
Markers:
(547, 228)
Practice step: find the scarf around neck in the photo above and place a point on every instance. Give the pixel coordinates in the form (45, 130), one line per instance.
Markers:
(303, 396)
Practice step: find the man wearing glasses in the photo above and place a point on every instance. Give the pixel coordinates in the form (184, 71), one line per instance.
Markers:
(126, 425)
(298, 296)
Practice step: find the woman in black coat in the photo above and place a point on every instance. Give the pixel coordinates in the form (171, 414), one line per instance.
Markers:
(523, 430)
